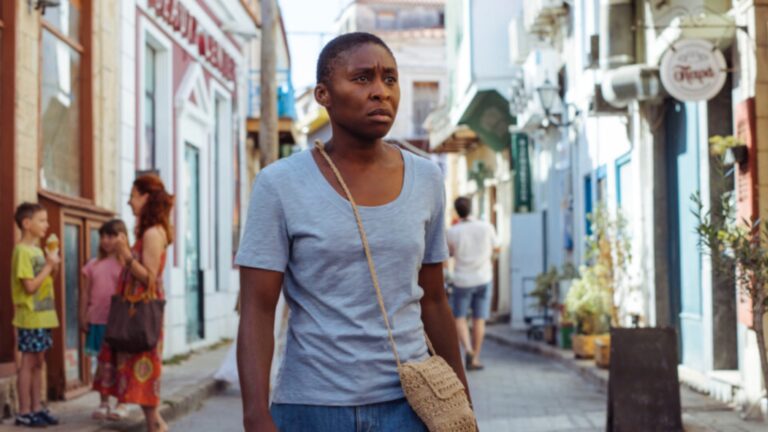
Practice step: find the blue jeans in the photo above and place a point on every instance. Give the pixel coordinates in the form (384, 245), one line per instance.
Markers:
(480, 298)
(394, 416)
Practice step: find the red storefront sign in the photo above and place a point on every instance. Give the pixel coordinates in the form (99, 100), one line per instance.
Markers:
(746, 185)
(174, 13)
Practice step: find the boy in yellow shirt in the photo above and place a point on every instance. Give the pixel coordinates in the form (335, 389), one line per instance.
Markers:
(35, 311)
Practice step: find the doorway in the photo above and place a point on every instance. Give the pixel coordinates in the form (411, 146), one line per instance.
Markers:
(193, 275)
(683, 130)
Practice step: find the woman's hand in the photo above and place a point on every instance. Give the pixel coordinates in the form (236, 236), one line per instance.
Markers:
(83, 325)
(264, 424)
(121, 246)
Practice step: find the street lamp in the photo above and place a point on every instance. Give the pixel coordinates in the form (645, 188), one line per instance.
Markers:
(548, 93)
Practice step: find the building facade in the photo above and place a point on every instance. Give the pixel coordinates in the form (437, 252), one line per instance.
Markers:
(620, 135)
(415, 32)
(184, 98)
(59, 120)
(470, 128)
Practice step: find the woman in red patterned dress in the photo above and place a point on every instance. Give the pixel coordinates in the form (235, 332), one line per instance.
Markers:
(135, 378)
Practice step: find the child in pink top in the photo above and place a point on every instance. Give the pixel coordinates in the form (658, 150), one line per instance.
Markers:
(102, 275)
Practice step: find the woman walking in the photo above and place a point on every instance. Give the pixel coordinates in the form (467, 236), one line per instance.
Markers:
(135, 378)
(339, 373)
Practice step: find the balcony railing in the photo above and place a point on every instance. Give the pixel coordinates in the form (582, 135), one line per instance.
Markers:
(286, 106)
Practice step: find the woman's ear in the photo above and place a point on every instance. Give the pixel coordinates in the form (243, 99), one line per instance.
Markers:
(322, 96)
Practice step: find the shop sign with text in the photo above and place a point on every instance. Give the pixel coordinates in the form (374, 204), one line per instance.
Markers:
(693, 70)
(522, 167)
(175, 14)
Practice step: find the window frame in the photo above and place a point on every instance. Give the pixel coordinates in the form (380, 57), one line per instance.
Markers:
(150, 35)
(8, 178)
(84, 48)
(418, 128)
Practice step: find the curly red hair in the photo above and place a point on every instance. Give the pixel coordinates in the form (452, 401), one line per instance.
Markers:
(157, 210)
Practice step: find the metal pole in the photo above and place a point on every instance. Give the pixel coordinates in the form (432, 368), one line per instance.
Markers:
(268, 138)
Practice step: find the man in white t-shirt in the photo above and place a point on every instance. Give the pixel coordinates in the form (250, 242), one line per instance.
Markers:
(472, 244)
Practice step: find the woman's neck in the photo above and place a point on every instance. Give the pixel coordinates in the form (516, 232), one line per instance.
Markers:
(353, 149)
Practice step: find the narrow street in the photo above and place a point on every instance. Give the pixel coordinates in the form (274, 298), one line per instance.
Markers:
(517, 391)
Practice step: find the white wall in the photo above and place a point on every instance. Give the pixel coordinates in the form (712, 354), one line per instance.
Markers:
(418, 60)
(193, 123)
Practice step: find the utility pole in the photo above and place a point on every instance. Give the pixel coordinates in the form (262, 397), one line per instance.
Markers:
(268, 140)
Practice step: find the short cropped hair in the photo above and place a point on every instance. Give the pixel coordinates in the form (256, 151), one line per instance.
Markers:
(463, 206)
(338, 46)
(26, 210)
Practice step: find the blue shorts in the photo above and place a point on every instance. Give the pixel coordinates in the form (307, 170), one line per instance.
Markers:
(95, 338)
(394, 416)
(34, 340)
(479, 297)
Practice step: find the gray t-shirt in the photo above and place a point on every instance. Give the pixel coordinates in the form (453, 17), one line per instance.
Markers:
(337, 351)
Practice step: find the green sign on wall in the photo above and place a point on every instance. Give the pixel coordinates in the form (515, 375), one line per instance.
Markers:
(521, 165)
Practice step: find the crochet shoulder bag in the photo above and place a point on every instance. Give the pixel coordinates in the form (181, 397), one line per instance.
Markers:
(431, 387)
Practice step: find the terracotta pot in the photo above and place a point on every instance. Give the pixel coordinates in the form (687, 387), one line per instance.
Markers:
(603, 351)
(583, 346)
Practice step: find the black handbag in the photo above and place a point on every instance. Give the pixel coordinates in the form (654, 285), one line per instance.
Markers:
(135, 320)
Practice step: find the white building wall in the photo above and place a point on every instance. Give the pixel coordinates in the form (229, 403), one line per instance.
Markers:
(418, 60)
(195, 124)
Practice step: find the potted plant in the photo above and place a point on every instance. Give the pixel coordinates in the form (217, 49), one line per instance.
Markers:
(546, 294)
(728, 150)
(738, 248)
(566, 326)
(591, 299)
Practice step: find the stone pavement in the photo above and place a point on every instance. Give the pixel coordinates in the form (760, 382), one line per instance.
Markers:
(521, 391)
(184, 388)
(700, 413)
(518, 391)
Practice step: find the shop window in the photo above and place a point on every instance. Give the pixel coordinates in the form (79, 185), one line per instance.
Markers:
(66, 18)
(62, 99)
(147, 153)
(425, 98)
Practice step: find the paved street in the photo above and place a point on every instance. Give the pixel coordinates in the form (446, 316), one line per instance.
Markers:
(517, 391)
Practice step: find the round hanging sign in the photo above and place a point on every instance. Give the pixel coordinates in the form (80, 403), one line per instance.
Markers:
(693, 70)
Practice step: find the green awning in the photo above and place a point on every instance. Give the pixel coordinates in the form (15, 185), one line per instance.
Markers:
(488, 115)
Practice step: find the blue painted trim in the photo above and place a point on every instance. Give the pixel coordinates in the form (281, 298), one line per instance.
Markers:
(601, 172)
(588, 203)
(621, 161)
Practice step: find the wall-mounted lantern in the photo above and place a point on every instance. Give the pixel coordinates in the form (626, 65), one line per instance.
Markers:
(548, 93)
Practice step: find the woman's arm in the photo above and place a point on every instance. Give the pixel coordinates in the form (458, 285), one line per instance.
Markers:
(438, 319)
(259, 293)
(153, 245)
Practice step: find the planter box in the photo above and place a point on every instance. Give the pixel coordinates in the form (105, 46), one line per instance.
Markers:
(603, 351)
(584, 346)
